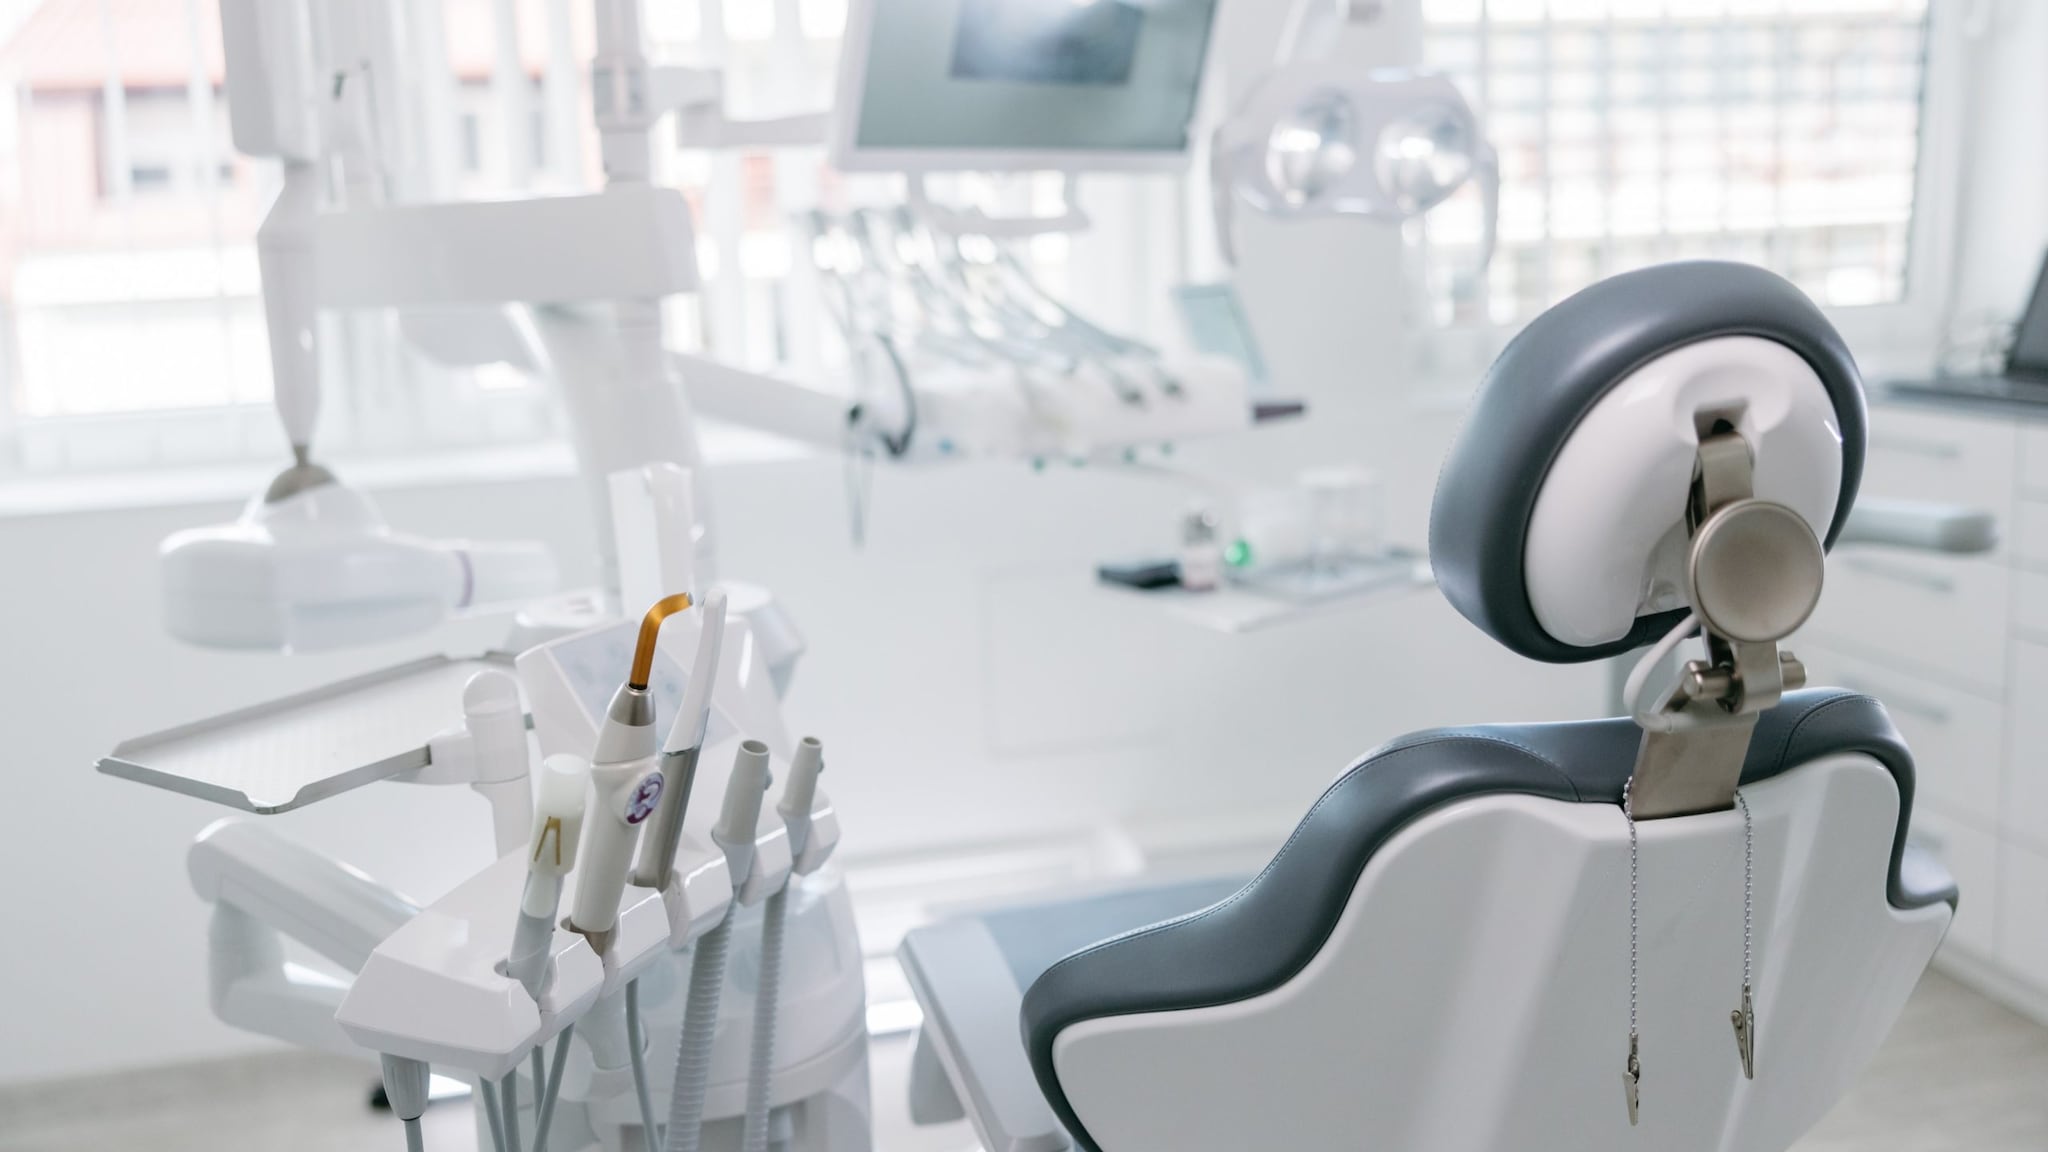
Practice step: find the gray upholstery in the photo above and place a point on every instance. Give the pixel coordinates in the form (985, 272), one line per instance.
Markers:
(1034, 937)
(1258, 938)
(969, 974)
(1544, 383)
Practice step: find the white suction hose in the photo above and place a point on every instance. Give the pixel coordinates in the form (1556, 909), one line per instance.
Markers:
(798, 795)
(700, 1027)
(761, 1068)
(734, 833)
(636, 1040)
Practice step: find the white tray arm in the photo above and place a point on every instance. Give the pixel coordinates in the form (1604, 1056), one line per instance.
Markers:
(264, 888)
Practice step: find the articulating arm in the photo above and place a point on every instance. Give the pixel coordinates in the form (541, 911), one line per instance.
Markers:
(264, 888)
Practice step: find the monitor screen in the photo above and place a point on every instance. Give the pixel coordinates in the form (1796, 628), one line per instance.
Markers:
(1023, 81)
(2030, 339)
(1217, 325)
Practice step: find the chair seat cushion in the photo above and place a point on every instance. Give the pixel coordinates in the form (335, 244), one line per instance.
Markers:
(1034, 937)
(970, 972)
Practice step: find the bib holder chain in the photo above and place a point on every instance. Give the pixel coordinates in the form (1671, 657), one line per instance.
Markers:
(1753, 574)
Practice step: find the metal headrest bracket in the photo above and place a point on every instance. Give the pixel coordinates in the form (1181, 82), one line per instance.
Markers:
(1754, 574)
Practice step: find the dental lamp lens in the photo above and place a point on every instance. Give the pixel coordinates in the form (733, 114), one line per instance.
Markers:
(1313, 148)
(1422, 158)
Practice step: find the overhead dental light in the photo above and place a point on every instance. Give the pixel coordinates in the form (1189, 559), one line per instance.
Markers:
(1317, 139)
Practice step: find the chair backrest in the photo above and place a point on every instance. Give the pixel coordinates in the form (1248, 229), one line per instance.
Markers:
(1457, 945)
(1439, 958)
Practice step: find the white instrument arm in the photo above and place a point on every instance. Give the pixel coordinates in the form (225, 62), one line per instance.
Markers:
(769, 403)
(264, 888)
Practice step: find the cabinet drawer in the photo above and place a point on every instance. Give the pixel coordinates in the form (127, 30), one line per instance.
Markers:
(2023, 913)
(1943, 615)
(1957, 737)
(2023, 804)
(2033, 440)
(2030, 602)
(2027, 535)
(1917, 455)
(1971, 855)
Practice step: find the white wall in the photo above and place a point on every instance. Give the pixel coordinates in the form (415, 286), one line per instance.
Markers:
(2003, 208)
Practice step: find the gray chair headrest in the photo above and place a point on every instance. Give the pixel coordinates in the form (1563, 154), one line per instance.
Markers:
(1553, 374)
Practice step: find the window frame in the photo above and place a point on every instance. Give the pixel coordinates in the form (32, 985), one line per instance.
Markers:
(1894, 337)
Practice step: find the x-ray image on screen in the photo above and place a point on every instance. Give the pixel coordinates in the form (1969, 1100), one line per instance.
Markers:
(1021, 84)
(1047, 41)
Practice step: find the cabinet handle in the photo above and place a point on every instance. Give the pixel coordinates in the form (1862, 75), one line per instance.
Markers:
(1898, 701)
(1933, 449)
(1901, 574)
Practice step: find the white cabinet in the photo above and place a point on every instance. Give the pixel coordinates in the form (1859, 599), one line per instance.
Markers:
(2030, 602)
(2024, 812)
(2028, 538)
(2033, 459)
(1957, 737)
(1941, 615)
(1971, 855)
(1918, 454)
(2023, 912)
(1957, 649)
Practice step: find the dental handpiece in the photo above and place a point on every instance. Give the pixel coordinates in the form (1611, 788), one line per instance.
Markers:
(679, 754)
(551, 853)
(626, 786)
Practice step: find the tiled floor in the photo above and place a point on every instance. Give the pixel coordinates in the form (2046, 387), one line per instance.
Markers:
(1959, 1073)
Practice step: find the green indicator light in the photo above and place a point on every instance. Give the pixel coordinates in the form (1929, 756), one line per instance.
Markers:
(1238, 554)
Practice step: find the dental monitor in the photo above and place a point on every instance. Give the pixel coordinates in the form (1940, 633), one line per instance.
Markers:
(1010, 85)
(2029, 355)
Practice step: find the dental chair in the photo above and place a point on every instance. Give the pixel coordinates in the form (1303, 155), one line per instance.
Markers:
(1683, 929)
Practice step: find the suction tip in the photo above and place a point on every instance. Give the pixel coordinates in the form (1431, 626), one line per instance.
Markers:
(558, 814)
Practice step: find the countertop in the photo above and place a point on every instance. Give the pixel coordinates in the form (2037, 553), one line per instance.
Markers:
(1959, 404)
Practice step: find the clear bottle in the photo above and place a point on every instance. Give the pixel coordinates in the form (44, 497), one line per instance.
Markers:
(1201, 554)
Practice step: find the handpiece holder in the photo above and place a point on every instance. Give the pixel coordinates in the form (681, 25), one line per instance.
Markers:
(738, 822)
(495, 722)
(437, 988)
(799, 797)
(1753, 573)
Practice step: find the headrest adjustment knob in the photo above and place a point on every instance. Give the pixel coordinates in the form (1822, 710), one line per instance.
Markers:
(1755, 571)
(1753, 574)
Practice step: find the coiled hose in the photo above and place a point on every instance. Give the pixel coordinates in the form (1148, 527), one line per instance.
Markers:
(761, 1067)
(700, 1028)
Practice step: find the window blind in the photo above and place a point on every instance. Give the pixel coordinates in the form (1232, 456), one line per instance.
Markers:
(1778, 132)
